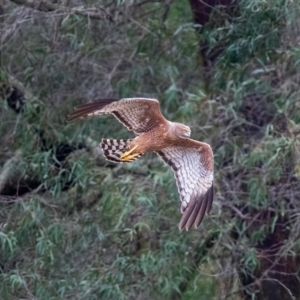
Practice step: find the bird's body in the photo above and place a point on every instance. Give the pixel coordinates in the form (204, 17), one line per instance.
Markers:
(191, 161)
(159, 137)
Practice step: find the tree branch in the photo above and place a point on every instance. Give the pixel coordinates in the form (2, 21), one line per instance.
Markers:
(99, 13)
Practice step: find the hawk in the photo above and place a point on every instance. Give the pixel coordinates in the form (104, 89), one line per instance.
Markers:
(191, 161)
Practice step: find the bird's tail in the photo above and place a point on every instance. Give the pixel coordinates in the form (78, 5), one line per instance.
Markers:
(113, 149)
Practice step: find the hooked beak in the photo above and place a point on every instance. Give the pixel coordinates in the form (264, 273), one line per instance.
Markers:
(187, 134)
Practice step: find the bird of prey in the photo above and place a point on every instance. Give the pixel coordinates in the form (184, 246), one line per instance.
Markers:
(191, 161)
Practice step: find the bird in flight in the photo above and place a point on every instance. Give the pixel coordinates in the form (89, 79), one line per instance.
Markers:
(191, 161)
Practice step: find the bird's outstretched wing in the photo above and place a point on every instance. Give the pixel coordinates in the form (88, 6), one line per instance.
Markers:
(192, 163)
(137, 114)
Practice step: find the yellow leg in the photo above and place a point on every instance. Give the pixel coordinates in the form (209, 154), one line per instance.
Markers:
(128, 156)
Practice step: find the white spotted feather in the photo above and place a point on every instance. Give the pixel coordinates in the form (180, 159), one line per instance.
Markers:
(193, 181)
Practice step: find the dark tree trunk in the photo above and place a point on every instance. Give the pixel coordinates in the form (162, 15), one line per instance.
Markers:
(202, 11)
(276, 277)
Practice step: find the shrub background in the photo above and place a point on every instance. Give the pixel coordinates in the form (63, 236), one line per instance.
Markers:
(73, 226)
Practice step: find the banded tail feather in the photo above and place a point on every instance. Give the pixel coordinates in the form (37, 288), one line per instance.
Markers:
(113, 149)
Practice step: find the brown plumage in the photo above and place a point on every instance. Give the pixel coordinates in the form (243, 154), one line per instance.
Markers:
(191, 161)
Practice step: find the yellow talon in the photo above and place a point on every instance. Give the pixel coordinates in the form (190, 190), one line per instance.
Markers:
(128, 156)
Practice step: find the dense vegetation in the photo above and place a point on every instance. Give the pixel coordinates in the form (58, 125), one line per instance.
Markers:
(73, 226)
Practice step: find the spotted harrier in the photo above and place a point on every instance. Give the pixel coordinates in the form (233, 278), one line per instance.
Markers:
(191, 161)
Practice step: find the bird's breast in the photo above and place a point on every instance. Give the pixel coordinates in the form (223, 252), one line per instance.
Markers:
(153, 140)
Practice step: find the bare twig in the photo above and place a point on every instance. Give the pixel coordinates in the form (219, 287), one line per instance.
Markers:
(99, 13)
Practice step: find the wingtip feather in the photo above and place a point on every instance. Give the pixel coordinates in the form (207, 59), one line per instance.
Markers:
(196, 210)
(82, 110)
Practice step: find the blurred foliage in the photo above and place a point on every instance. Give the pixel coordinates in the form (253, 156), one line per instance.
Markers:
(73, 226)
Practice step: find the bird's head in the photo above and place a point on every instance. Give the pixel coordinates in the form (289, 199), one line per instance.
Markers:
(182, 131)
